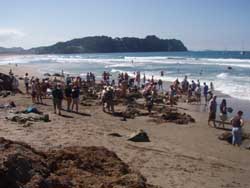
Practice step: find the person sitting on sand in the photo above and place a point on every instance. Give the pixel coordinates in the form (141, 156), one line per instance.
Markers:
(75, 97)
(68, 95)
(212, 111)
(237, 124)
(223, 111)
(57, 95)
(26, 82)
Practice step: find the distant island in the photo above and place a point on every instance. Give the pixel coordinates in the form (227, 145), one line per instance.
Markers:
(105, 44)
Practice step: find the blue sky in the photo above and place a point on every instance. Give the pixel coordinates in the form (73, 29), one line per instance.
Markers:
(200, 24)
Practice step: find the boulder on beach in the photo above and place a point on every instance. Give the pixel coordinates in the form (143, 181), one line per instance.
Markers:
(6, 82)
(22, 166)
(140, 136)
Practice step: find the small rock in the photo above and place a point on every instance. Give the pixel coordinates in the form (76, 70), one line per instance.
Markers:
(115, 134)
(140, 136)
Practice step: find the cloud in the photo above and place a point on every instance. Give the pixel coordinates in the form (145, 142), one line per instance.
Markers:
(10, 34)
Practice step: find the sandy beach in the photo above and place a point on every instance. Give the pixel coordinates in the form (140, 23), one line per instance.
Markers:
(178, 156)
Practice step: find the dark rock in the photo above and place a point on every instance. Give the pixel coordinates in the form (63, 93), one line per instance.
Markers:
(140, 136)
(6, 82)
(115, 134)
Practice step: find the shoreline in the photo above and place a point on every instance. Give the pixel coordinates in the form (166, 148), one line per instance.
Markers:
(235, 103)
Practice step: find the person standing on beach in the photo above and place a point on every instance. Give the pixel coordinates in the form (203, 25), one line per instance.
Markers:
(160, 84)
(68, 95)
(205, 92)
(110, 95)
(144, 78)
(237, 124)
(211, 86)
(38, 91)
(57, 95)
(212, 111)
(223, 111)
(75, 97)
(33, 91)
(198, 94)
(26, 82)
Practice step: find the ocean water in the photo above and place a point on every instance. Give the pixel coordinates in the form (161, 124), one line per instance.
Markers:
(207, 66)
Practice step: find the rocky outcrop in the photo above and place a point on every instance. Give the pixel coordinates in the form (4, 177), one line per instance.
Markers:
(5, 82)
(21, 166)
(105, 44)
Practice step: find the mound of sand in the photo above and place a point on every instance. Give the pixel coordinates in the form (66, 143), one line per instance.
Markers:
(75, 167)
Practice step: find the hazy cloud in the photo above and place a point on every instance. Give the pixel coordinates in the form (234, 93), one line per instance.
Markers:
(10, 34)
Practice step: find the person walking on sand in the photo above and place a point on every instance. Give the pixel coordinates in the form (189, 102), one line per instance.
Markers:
(57, 95)
(75, 97)
(212, 111)
(68, 95)
(26, 82)
(237, 124)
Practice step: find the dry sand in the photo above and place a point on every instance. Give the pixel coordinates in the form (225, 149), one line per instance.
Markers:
(189, 156)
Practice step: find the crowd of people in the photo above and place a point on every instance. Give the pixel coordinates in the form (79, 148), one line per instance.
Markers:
(69, 89)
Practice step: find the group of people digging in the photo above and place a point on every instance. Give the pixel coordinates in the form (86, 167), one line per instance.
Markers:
(70, 88)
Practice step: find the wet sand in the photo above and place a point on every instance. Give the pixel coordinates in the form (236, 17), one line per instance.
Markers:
(178, 156)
